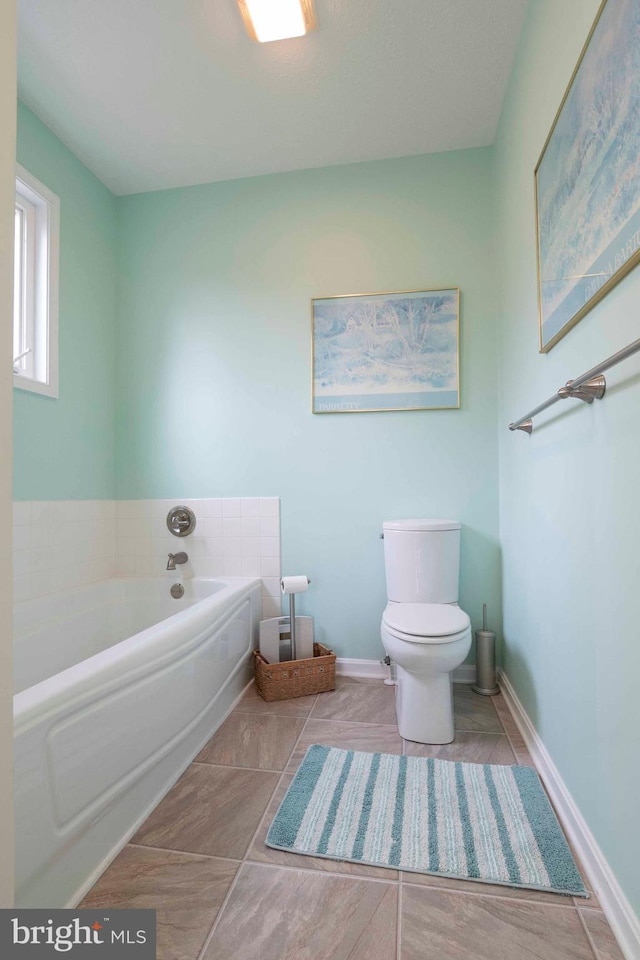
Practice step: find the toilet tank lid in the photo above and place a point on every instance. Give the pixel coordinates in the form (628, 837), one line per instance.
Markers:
(426, 619)
(421, 525)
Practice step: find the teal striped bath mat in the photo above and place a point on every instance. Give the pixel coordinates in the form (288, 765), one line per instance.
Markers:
(467, 820)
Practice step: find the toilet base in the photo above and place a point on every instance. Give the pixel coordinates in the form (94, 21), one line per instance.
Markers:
(424, 707)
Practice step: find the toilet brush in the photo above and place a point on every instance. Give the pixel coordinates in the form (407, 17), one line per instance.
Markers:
(485, 660)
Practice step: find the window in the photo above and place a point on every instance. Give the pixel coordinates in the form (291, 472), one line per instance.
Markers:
(35, 287)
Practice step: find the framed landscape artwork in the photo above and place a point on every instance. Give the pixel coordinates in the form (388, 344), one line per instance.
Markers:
(588, 177)
(386, 351)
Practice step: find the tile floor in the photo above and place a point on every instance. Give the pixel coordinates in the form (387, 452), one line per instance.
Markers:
(220, 894)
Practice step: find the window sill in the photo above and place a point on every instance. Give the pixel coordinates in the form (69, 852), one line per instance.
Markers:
(35, 386)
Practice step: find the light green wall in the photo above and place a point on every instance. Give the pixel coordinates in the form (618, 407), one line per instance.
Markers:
(569, 518)
(214, 367)
(64, 448)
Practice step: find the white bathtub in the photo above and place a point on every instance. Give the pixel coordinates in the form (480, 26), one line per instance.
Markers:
(118, 686)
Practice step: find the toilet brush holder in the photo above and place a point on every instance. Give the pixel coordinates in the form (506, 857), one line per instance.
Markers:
(485, 660)
(485, 664)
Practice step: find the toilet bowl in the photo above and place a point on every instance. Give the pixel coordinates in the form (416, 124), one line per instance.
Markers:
(423, 629)
(426, 642)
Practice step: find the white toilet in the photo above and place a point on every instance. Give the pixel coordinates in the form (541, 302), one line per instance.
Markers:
(423, 629)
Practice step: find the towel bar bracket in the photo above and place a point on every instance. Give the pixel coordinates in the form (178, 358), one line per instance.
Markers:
(593, 389)
(526, 426)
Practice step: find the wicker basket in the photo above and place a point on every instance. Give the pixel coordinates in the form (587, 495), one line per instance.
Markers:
(296, 678)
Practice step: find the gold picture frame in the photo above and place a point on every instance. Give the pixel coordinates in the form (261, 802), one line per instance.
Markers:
(391, 351)
(587, 179)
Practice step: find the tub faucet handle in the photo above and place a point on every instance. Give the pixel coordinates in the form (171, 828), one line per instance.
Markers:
(175, 558)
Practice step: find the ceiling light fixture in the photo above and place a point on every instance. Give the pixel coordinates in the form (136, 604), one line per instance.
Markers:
(267, 20)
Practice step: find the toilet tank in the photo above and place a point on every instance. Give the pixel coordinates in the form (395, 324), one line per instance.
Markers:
(422, 560)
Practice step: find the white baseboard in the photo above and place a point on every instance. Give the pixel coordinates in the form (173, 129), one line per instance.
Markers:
(376, 670)
(366, 669)
(618, 911)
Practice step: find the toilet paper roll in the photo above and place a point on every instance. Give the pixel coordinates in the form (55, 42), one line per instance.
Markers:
(294, 584)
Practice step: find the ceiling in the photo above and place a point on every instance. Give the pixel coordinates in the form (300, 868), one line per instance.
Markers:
(152, 94)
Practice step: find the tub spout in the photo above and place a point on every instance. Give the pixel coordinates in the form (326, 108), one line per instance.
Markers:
(175, 558)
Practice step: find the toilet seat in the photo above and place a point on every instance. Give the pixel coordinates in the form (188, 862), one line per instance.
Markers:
(426, 622)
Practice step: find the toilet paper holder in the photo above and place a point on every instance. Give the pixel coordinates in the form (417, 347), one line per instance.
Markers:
(289, 586)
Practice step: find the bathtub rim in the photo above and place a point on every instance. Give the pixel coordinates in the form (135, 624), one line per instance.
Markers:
(151, 647)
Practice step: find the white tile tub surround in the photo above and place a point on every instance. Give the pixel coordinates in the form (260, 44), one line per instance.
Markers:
(234, 537)
(59, 544)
